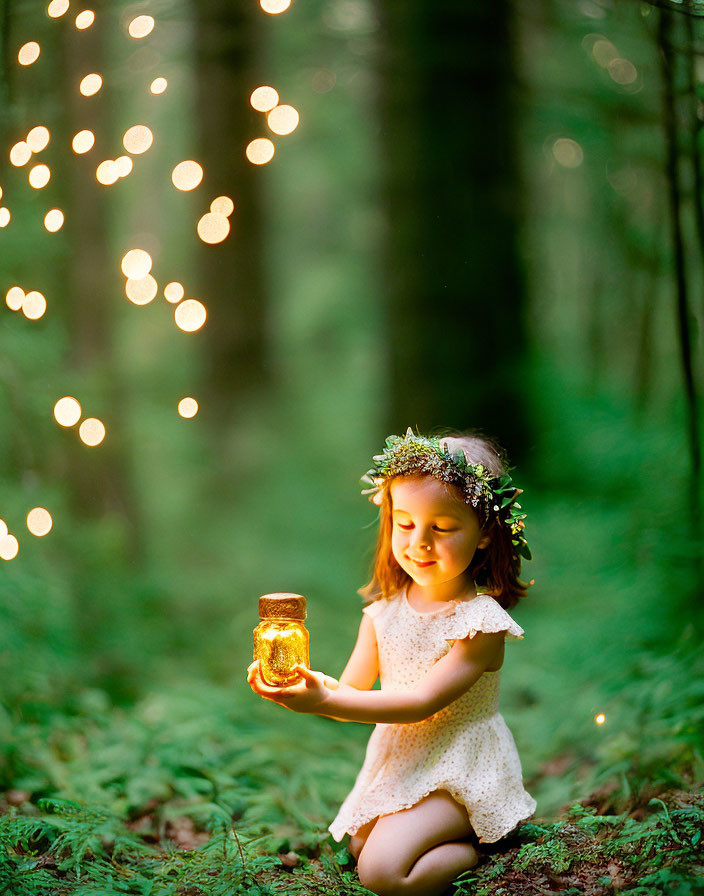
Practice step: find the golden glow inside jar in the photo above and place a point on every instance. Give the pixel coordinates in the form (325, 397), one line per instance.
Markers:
(281, 640)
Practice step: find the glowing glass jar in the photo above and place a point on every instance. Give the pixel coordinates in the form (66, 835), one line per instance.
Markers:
(281, 640)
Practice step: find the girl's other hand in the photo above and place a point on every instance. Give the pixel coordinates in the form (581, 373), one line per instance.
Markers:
(308, 695)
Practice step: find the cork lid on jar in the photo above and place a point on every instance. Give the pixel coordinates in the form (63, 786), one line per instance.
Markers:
(282, 605)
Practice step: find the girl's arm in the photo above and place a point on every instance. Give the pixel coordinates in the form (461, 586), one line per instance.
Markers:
(448, 679)
(362, 668)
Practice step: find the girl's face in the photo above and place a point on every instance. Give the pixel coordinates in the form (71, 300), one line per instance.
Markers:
(434, 534)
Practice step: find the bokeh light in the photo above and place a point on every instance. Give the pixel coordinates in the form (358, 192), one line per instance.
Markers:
(604, 51)
(91, 431)
(39, 176)
(158, 86)
(39, 521)
(223, 205)
(283, 120)
(623, 71)
(190, 315)
(14, 298)
(83, 141)
(260, 151)
(188, 407)
(264, 98)
(38, 138)
(34, 305)
(3, 528)
(9, 547)
(567, 152)
(67, 411)
(4, 216)
(85, 19)
(274, 7)
(174, 292)
(29, 53)
(20, 154)
(142, 291)
(140, 27)
(137, 139)
(54, 220)
(107, 172)
(600, 718)
(91, 84)
(57, 8)
(123, 165)
(136, 264)
(187, 175)
(213, 228)
(0, 192)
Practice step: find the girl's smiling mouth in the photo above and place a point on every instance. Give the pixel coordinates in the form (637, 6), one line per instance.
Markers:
(422, 563)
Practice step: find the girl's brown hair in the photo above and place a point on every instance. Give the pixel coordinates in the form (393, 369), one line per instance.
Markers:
(495, 568)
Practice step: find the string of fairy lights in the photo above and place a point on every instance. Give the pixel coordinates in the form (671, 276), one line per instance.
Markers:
(136, 265)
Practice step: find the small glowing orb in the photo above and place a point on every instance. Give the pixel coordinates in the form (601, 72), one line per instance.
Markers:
(600, 718)
(190, 315)
(137, 139)
(39, 176)
(283, 120)
(39, 521)
(67, 411)
(622, 71)
(34, 305)
(604, 51)
(187, 175)
(0, 192)
(3, 528)
(9, 547)
(158, 86)
(107, 172)
(123, 165)
(83, 142)
(188, 407)
(57, 8)
(223, 205)
(260, 151)
(38, 138)
(173, 292)
(136, 264)
(567, 152)
(4, 216)
(85, 19)
(20, 154)
(91, 431)
(274, 7)
(263, 99)
(141, 291)
(140, 27)
(29, 53)
(91, 84)
(54, 220)
(14, 298)
(213, 228)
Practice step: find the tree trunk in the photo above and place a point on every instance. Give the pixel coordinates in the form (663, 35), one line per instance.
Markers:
(231, 273)
(452, 194)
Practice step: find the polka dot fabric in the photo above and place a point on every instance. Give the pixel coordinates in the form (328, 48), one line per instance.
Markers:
(465, 748)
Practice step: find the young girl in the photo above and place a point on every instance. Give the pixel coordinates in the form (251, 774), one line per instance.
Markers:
(441, 766)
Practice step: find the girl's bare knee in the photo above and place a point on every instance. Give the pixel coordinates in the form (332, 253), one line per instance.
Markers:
(375, 874)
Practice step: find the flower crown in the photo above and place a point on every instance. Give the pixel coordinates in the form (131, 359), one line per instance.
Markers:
(491, 495)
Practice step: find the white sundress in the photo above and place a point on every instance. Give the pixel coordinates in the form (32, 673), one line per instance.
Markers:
(465, 748)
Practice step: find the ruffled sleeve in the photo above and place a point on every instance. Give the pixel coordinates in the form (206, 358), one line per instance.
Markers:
(374, 608)
(483, 614)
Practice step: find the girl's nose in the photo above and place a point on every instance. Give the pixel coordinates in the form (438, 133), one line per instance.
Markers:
(422, 540)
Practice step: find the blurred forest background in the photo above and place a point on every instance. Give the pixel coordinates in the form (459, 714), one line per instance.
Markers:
(490, 215)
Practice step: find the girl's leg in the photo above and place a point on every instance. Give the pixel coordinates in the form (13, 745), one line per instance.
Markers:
(418, 851)
(358, 840)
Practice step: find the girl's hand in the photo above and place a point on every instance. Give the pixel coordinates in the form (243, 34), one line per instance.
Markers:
(308, 695)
